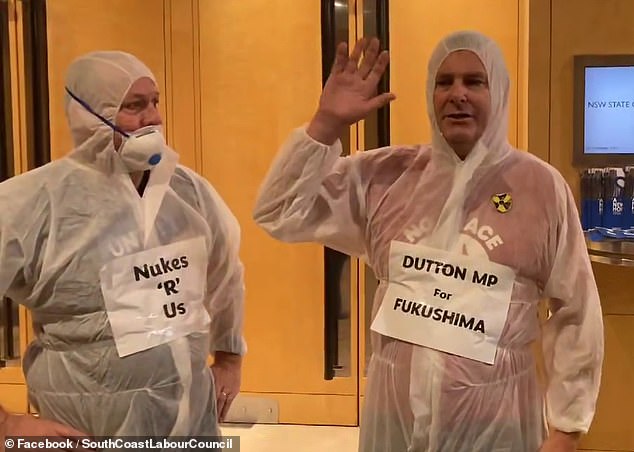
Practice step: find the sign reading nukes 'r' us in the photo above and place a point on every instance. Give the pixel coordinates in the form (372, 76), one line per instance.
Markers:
(164, 267)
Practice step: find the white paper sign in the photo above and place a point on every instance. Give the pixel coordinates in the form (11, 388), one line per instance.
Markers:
(445, 301)
(156, 296)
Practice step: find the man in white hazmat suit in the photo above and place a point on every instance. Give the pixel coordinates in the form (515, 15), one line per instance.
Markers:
(465, 236)
(129, 264)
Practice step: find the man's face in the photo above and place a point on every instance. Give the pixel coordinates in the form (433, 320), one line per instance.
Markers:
(462, 102)
(138, 109)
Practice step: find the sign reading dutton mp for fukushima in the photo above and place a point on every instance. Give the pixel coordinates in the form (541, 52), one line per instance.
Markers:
(446, 301)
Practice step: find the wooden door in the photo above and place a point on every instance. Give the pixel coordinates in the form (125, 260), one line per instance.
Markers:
(260, 72)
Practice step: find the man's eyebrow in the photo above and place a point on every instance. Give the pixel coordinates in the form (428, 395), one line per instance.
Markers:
(470, 73)
(143, 96)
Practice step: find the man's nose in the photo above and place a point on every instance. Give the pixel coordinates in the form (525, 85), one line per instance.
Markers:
(458, 92)
(151, 116)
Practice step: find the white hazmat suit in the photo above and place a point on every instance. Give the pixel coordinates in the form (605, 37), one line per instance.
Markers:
(128, 294)
(372, 204)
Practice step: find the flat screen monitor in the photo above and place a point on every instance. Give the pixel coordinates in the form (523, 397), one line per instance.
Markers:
(603, 110)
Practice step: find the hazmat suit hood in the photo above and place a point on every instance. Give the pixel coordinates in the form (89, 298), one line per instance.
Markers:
(494, 142)
(491, 148)
(101, 80)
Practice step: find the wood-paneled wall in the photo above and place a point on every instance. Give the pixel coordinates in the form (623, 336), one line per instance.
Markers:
(560, 29)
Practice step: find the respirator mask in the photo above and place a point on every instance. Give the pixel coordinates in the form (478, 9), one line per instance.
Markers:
(142, 149)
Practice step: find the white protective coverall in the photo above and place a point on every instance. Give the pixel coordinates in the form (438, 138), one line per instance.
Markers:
(419, 398)
(63, 224)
